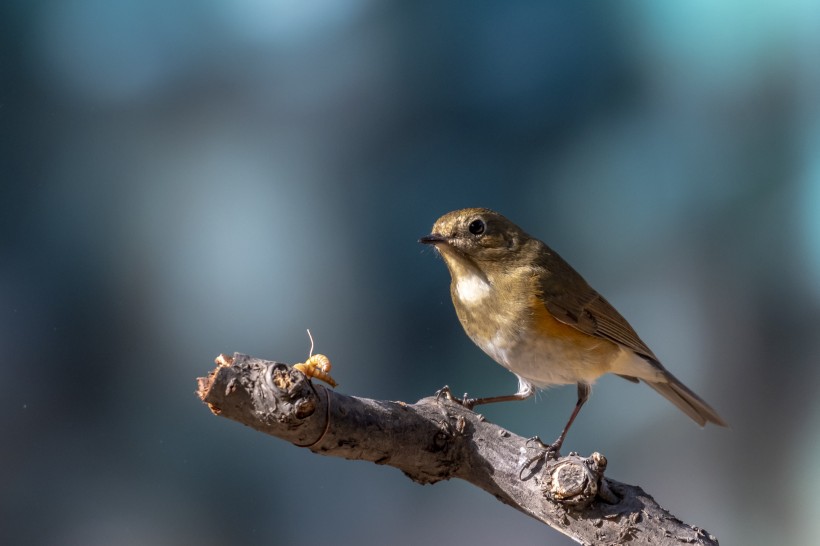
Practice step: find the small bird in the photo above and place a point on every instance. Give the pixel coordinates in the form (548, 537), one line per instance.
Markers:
(531, 312)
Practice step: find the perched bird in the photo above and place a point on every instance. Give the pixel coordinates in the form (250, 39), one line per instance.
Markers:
(531, 312)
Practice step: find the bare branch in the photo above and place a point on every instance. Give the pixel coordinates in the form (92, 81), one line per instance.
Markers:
(436, 439)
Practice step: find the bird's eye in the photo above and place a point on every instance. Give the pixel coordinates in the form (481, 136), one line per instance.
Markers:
(476, 227)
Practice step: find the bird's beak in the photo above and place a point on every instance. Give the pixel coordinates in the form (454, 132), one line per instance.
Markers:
(433, 239)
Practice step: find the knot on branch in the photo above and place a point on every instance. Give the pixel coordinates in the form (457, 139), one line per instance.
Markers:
(575, 481)
(282, 399)
(287, 387)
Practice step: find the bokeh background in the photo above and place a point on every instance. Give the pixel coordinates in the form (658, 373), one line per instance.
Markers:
(182, 179)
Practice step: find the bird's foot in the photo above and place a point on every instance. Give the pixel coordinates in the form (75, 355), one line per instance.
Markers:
(553, 449)
(445, 392)
(548, 451)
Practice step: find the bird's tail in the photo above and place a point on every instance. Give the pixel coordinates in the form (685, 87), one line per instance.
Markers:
(687, 401)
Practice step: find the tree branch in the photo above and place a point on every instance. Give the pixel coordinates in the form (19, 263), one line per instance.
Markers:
(437, 439)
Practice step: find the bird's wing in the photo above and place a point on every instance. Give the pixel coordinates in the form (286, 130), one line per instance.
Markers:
(572, 301)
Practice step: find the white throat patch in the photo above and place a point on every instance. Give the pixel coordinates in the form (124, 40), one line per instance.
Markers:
(471, 288)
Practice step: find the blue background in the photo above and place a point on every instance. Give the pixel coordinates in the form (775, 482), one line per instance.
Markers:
(182, 179)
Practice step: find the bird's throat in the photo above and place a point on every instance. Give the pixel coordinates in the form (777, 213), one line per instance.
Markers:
(471, 288)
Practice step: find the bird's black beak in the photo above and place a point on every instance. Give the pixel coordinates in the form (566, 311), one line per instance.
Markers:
(432, 239)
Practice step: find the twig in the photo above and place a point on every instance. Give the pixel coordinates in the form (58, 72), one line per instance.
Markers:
(436, 439)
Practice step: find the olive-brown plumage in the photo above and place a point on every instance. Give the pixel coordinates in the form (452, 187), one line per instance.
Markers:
(529, 310)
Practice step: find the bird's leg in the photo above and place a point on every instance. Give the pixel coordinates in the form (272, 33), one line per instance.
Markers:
(553, 450)
(583, 396)
(555, 447)
(469, 403)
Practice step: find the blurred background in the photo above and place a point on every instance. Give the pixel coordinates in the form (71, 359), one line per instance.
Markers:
(182, 179)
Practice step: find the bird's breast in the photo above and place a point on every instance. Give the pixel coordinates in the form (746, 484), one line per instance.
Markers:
(490, 314)
(516, 330)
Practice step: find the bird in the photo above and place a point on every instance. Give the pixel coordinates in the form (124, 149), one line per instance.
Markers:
(536, 316)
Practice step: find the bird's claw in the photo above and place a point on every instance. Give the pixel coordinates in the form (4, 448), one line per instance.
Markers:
(548, 451)
(552, 451)
(445, 392)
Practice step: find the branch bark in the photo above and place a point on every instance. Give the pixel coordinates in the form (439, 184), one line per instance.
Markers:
(436, 439)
